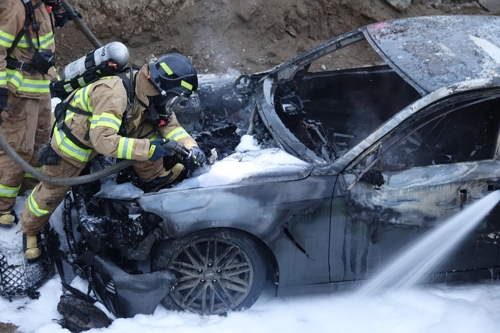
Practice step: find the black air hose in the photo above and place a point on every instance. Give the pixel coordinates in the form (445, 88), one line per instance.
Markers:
(172, 145)
(61, 181)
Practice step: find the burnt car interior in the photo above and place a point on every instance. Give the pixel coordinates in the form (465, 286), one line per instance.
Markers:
(449, 131)
(330, 112)
(463, 132)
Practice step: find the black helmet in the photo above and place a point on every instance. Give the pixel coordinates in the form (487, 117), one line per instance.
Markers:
(174, 73)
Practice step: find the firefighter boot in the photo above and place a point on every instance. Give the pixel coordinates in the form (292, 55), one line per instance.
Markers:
(176, 174)
(8, 219)
(30, 247)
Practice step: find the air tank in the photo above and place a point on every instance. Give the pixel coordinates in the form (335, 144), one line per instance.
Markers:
(116, 51)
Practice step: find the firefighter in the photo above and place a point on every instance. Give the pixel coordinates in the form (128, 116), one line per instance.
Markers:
(26, 69)
(125, 117)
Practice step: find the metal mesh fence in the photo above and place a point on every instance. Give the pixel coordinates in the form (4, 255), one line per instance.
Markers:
(22, 278)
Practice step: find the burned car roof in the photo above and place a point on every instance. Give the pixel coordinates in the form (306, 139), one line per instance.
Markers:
(436, 51)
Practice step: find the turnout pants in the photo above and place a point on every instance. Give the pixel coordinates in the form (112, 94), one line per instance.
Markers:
(25, 126)
(45, 198)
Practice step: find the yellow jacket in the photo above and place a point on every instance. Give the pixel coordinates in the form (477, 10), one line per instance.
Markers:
(12, 18)
(106, 99)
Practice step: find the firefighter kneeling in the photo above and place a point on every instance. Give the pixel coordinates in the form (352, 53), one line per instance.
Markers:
(127, 117)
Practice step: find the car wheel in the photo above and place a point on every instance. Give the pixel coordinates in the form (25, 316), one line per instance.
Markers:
(217, 270)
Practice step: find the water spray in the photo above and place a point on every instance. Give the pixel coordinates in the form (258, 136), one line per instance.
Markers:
(427, 253)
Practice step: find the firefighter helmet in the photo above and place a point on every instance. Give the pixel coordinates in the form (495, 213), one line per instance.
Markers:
(174, 73)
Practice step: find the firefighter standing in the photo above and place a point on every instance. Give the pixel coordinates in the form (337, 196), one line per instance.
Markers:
(106, 118)
(26, 69)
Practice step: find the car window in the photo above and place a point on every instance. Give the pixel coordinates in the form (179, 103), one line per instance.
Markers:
(459, 133)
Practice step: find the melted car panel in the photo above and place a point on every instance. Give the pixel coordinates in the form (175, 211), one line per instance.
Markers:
(436, 51)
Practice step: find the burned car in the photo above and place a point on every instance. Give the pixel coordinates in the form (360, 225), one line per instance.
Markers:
(353, 164)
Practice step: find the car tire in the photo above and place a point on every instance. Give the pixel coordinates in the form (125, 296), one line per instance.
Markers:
(217, 270)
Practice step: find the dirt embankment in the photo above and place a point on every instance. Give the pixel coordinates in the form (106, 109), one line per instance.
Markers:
(246, 35)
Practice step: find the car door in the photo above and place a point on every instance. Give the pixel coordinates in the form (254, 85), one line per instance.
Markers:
(433, 164)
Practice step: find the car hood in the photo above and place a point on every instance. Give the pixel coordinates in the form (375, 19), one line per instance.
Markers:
(435, 51)
(266, 165)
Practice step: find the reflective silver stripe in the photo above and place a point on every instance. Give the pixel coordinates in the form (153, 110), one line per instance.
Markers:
(102, 121)
(126, 142)
(8, 191)
(33, 206)
(178, 134)
(71, 150)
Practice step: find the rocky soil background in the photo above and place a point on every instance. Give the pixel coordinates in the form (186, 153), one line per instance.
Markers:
(245, 35)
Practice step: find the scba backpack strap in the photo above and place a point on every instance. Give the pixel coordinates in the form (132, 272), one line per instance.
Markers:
(63, 88)
(30, 20)
(128, 79)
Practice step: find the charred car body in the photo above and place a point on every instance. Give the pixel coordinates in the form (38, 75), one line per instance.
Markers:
(355, 163)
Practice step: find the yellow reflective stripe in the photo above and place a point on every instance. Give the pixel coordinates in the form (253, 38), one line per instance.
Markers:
(69, 115)
(29, 175)
(45, 41)
(6, 39)
(34, 208)
(85, 99)
(166, 68)
(81, 97)
(187, 85)
(151, 151)
(67, 146)
(81, 82)
(8, 191)
(3, 78)
(68, 88)
(106, 120)
(27, 85)
(125, 148)
(177, 134)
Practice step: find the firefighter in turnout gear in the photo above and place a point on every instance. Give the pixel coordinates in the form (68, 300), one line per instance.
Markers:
(26, 69)
(126, 116)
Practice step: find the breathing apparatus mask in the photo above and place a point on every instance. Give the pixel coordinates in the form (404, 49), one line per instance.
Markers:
(175, 78)
(161, 107)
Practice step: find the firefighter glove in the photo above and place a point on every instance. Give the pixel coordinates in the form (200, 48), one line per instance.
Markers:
(3, 99)
(156, 150)
(197, 157)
